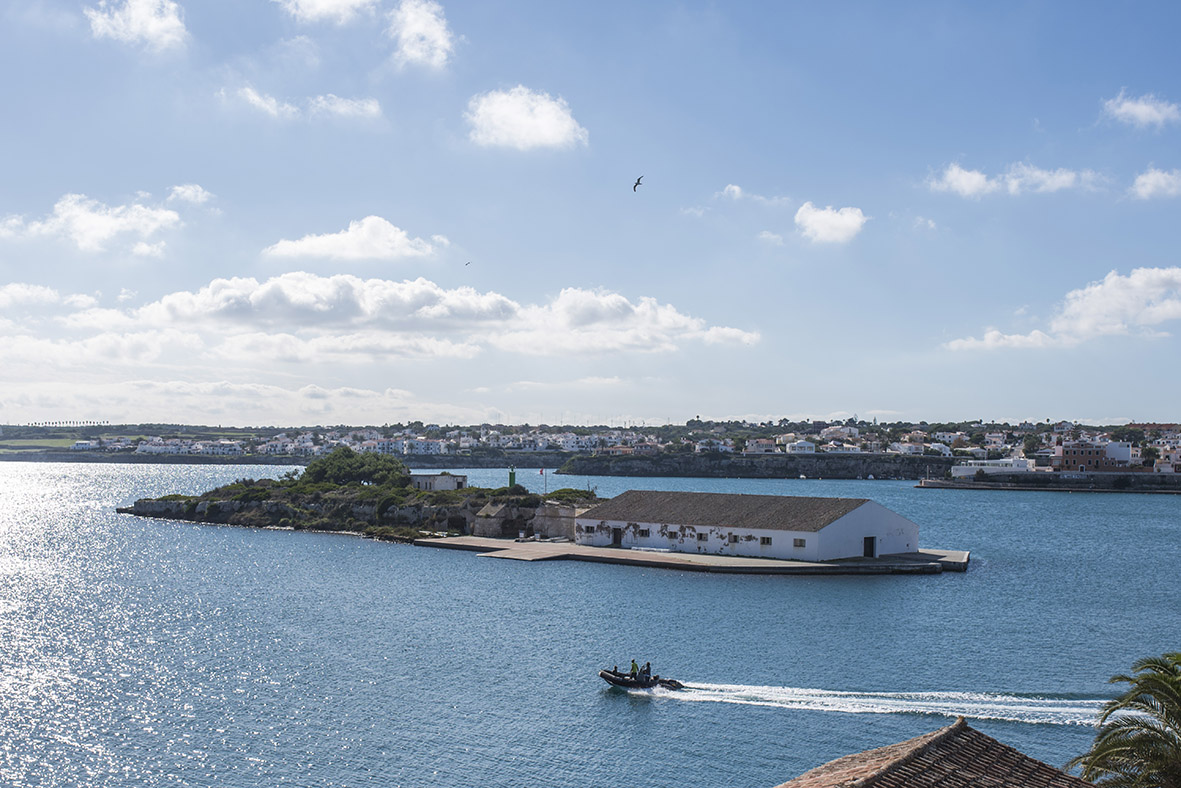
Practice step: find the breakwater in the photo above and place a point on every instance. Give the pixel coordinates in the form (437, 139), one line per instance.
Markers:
(767, 466)
(1065, 482)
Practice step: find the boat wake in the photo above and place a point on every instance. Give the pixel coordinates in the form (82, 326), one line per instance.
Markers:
(1040, 709)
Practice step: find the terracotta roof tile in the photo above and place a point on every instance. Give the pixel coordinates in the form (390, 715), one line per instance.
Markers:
(957, 756)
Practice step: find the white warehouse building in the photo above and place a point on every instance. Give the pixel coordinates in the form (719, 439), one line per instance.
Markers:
(761, 526)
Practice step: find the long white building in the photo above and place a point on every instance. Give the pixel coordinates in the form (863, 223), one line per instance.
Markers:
(766, 526)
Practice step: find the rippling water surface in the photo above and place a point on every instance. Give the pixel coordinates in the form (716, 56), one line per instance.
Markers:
(154, 653)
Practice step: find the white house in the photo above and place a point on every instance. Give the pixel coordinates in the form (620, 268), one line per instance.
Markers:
(438, 481)
(767, 526)
(1006, 465)
(801, 447)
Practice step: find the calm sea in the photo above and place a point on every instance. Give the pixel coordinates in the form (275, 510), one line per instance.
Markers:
(152, 653)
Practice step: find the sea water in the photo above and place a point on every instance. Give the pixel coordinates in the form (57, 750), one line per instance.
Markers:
(141, 652)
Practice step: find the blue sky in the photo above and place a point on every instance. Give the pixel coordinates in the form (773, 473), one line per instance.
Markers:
(369, 211)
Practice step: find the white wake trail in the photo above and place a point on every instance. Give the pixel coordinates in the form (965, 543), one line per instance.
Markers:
(976, 705)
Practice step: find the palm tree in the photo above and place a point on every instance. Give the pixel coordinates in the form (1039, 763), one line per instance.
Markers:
(1139, 739)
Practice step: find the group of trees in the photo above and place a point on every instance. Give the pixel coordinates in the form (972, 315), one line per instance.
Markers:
(345, 466)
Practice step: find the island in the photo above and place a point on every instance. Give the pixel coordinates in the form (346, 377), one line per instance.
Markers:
(373, 495)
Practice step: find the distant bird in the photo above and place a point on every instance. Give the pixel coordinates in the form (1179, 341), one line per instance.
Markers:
(637, 183)
(469, 262)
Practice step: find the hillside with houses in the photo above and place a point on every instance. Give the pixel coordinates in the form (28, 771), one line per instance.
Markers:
(971, 448)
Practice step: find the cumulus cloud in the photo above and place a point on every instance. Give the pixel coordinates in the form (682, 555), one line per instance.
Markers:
(1134, 304)
(22, 294)
(1156, 183)
(90, 224)
(772, 238)
(155, 24)
(523, 119)
(1018, 178)
(732, 191)
(600, 321)
(302, 317)
(421, 32)
(191, 193)
(1142, 111)
(829, 225)
(371, 238)
(338, 11)
(965, 183)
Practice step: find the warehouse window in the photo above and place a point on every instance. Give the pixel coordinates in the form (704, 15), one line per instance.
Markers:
(798, 542)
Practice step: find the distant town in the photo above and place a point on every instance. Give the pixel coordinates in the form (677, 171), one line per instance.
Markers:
(983, 447)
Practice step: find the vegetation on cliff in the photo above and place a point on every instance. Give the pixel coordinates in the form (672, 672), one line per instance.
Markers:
(347, 491)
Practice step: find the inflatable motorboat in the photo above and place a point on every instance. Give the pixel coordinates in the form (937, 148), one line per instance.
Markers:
(629, 681)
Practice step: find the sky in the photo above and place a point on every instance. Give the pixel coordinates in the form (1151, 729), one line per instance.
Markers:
(300, 212)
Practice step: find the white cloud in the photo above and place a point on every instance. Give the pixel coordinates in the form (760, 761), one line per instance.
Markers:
(1132, 304)
(190, 192)
(923, 223)
(327, 105)
(371, 238)
(737, 193)
(523, 119)
(144, 249)
(1019, 177)
(344, 108)
(156, 24)
(1156, 183)
(772, 238)
(267, 104)
(126, 295)
(828, 225)
(1025, 177)
(20, 294)
(1147, 110)
(420, 30)
(90, 224)
(965, 183)
(301, 323)
(338, 11)
(600, 321)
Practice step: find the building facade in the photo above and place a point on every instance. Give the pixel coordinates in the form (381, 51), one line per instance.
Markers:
(761, 526)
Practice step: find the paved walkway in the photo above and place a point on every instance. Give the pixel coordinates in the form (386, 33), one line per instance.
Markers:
(921, 562)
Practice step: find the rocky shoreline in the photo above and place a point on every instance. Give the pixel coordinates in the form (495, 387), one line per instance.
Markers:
(265, 503)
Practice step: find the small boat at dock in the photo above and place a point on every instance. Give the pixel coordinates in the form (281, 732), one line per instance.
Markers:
(626, 680)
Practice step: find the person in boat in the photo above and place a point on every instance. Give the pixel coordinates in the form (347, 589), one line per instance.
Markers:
(646, 671)
(635, 669)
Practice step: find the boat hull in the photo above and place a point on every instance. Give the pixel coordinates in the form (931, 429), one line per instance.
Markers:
(627, 681)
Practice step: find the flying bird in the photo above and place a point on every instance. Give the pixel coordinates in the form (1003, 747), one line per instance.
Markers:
(637, 183)
(469, 262)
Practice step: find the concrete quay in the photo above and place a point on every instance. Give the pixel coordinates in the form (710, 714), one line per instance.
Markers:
(921, 562)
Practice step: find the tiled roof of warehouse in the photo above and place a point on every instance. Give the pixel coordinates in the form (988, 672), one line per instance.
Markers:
(778, 512)
(957, 756)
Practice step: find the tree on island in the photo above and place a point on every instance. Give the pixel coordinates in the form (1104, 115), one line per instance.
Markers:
(1139, 739)
(345, 466)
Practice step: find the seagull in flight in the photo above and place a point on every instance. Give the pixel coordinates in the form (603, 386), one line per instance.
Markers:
(637, 183)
